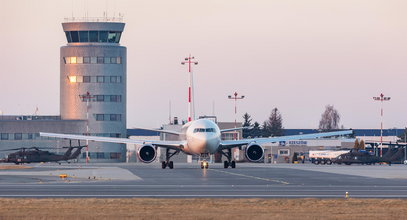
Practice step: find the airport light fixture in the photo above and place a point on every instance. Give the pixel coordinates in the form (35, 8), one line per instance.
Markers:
(87, 97)
(381, 98)
(235, 97)
(191, 99)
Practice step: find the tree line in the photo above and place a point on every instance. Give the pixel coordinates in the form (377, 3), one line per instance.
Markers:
(273, 126)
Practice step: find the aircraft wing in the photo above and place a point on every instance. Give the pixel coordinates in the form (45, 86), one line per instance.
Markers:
(233, 129)
(161, 131)
(176, 145)
(236, 143)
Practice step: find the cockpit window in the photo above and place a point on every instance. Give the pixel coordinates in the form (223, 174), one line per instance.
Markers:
(202, 130)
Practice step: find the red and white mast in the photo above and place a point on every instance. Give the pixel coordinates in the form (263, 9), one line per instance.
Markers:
(381, 98)
(191, 105)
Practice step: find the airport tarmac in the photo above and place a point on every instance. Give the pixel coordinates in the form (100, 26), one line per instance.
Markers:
(189, 181)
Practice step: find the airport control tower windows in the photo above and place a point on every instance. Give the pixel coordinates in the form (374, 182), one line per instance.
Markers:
(93, 36)
(102, 36)
(74, 36)
(84, 36)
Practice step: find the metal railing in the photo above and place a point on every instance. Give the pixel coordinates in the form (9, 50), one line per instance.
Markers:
(94, 19)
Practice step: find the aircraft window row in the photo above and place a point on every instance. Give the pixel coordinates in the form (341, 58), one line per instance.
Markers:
(102, 155)
(202, 130)
(108, 117)
(93, 36)
(95, 79)
(93, 60)
(103, 98)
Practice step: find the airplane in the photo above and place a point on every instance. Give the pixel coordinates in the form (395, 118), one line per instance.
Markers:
(200, 137)
(36, 155)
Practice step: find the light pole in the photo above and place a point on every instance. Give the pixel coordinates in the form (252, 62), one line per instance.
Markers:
(191, 102)
(235, 97)
(381, 98)
(87, 97)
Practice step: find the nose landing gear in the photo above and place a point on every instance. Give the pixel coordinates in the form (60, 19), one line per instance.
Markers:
(204, 164)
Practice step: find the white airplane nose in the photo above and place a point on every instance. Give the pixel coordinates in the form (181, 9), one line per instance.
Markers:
(205, 143)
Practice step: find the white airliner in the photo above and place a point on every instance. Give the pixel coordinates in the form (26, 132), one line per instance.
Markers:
(200, 137)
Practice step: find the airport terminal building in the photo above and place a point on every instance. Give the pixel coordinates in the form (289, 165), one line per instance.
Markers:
(92, 94)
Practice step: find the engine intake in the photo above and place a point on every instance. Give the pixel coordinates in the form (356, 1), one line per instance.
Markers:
(147, 153)
(254, 152)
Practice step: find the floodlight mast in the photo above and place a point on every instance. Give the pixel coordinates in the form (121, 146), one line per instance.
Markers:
(235, 97)
(381, 98)
(87, 97)
(191, 99)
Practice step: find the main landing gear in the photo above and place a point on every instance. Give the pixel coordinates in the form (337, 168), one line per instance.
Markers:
(167, 162)
(229, 162)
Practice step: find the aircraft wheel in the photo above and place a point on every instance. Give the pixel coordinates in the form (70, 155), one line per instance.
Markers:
(163, 165)
(171, 165)
(233, 164)
(329, 162)
(225, 164)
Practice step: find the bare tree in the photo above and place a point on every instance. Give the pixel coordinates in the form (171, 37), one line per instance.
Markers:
(329, 119)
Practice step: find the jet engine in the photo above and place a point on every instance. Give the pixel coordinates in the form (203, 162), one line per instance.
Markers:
(254, 152)
(147, 153)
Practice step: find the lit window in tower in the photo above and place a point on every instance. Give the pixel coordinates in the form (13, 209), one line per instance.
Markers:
(72, 79)
(73, 60)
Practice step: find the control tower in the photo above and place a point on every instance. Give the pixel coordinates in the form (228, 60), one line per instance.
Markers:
(93, 83)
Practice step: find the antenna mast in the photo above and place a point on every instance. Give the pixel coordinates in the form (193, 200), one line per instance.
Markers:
(191, 98)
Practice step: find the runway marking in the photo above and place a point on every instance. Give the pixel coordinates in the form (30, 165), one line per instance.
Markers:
(252, 177)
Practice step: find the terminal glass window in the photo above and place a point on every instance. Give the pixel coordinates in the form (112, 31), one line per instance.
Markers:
(73, 60)
(86, 59)
(4, 136)
(93, 60)
(30, 136)
(100, 155)
(18, 136)
(83, 36)
(107, 60)
(115, 155)
(93, 36)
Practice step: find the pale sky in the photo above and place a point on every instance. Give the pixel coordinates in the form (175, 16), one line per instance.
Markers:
(295, 55)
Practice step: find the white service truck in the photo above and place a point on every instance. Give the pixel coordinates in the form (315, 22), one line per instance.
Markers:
(325, 156)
